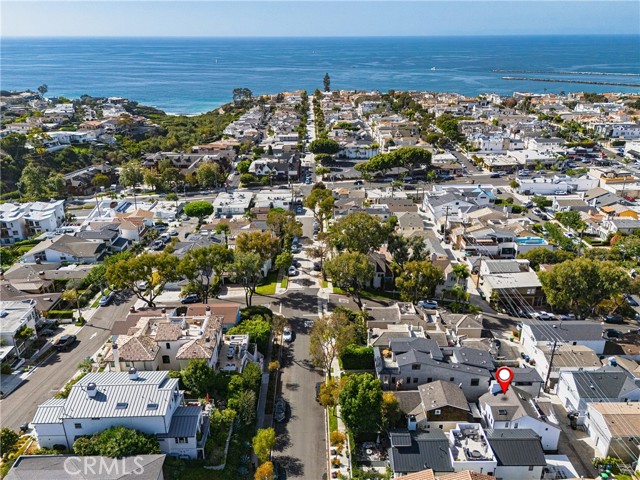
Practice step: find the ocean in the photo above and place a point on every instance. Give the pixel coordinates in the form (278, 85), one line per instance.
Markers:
(193, 75)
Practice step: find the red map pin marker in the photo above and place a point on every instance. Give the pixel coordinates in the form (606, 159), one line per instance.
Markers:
(504, 375)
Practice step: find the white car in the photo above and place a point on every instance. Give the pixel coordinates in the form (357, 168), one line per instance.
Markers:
(544, 316)
(293, 271)
(428, 304)
(287, 336)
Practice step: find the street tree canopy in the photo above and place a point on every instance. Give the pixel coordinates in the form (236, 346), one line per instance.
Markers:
(361, 402)
(198, 209)
(358, 232)
(579, 285)
(351, 272)
(201, 265)
(153, 269)
(329, 335)
(418, 280)
(406, 157)
(321, 202)
(263, 443)
(324, 145)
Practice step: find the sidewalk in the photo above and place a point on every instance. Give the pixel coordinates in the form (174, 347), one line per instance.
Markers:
(344, 468)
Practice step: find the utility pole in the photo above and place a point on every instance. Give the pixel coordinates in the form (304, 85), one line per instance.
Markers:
(553, 353)
(446, 221)
(479, 268)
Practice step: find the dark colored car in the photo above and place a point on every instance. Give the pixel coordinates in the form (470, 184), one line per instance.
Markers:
(615, 318)
(631, 301)
(64, 342)
(318, 385)
(191, 298)
(48, 332)
(51, 324)
(317, 267)
(612, 333)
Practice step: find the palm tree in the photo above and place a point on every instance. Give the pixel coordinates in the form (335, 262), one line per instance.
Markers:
(460, 272)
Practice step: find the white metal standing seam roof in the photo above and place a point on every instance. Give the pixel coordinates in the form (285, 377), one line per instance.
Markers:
(50, 411)
(118, 396)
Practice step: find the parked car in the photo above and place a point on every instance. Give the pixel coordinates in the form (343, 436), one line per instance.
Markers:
(317, 267)
(544, 316)
(631, 301)
(144, 285)
(280, 410)
(318, 385)
(358, 182)
(106, 299)
(494, 175)
(287, 335)
(158, 245)
(612, 333)
(428, 304)
(51, 324)
(614, 318)
(231, 351)
(292, 271)
(191, 298)
(296, 263)
(173, 232)
(48, 332)
(64, 342)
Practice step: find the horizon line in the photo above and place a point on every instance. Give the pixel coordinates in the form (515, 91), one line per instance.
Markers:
(448, 35)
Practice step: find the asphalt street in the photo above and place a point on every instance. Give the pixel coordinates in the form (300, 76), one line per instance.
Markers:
(49, 377)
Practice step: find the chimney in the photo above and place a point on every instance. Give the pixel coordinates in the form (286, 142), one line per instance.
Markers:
(133, 373)
(41, 274)
(92, 389)
(116, 356)
(207, 311)
(132, 309)
(412, 425)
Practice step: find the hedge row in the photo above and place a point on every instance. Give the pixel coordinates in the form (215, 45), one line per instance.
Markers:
(60, 314)
(355, 357)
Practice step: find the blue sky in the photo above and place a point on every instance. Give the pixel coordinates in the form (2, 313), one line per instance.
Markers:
(311, 18)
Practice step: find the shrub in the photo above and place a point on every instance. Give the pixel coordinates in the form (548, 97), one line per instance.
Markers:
(59, 314)
(337, 438)
(355, 357)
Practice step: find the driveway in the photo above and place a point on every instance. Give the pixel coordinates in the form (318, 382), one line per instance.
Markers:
(49, 377)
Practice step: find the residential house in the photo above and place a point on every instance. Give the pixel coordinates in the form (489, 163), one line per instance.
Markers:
(490, 242)
(15, 318)
(577, 389)
(623, 225)
(382, 276)
(227, 204)
(442, 405)
(23, 220)
(571, 332)
(79, 182)
(413, 451)
(614, 428)
(72, 467)
(108, 233)
(516, 409)
(228, 312)
(149, 402)
(469, 449)
(565, 358)
(519, 454)
(65, 248)
(166, 342)
(528, 380)
(469, 326)
(501, 280)
(406, 364)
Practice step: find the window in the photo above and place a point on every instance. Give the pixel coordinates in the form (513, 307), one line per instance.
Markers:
(152, 406)
(531, 291)
(127, 364)
(181, 440)
(415, 366)
(502, 412)
(440, 426)
(166, 359)
(437, 412)
(168, 346)
(475, 382)
(515, 425)
(452, 379)
(415, 380)
(530, 468)
(77, 425)
(408, 380)
(121, 405)
(429, 380)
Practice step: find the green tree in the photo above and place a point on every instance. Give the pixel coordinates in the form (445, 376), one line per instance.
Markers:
(541, 255)
(324, 145)
(329, 335)
(330, 392)
(571, 219)
(360, 403)
(243, 166)
(351, 272)
(57, 186)
(172, 197)
(418, 280)
(321, 202)
(264, 244)
(327, 82)
(244, 405)
(197, 377)
(460, 272)
(540, 201)
(358, 232)
(209, 175)
(283, 224)
(33, 182)
(42, 89)
(324, 158)
(131, 174)
(198, 209)
(258, 329)
(202, 265)
(154, 269)
(242, 96)
(263, 443)
(247, 271)
(284, 260)
(223, 227)
(73, 296)
(100, 180)
(117, 442)
(579, 285)
(8, 440)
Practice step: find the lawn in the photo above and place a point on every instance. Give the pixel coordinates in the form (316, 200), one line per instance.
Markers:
(333, 420)
(369, 293)
(268, 286)
(284, 282)
(325, 284)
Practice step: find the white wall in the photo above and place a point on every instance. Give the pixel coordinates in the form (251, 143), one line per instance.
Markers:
(518, 473)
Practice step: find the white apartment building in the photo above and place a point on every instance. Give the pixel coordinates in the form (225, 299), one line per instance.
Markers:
(15, 316)
(19, 221)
